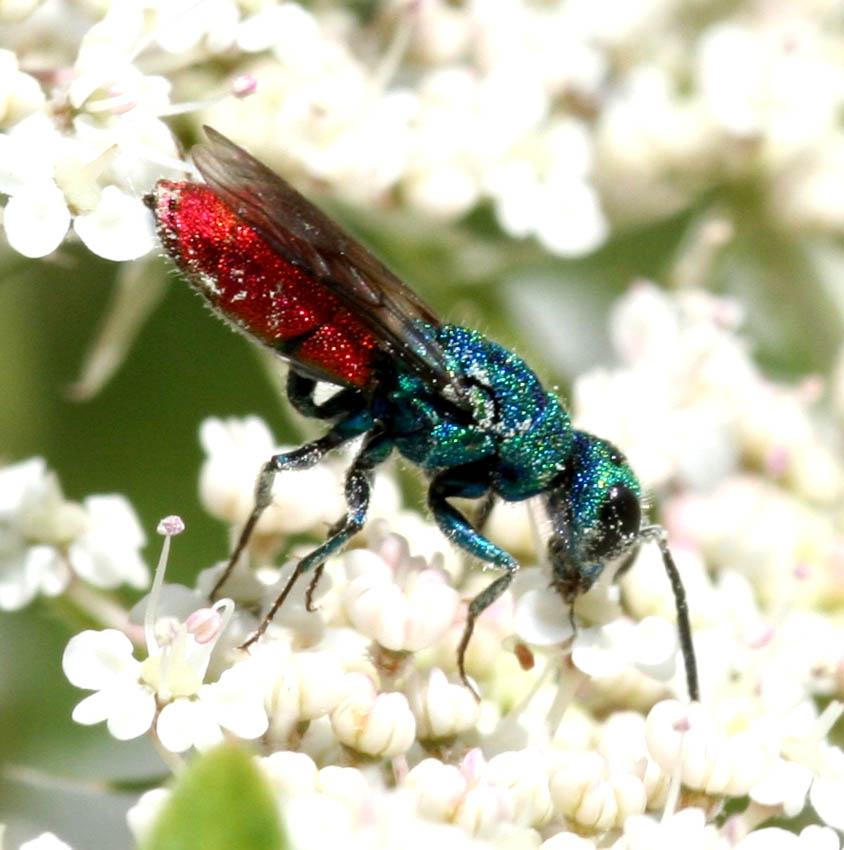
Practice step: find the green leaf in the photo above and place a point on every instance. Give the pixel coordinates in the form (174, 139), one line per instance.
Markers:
(221, 801)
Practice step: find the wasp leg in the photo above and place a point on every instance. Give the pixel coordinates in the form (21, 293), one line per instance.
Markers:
(300, 392)
(302, 458)
(484, 510)
(470, 481)
(375, 450)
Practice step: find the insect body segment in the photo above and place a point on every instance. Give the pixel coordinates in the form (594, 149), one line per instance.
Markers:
(596, 513)
(471, 414)
(258, 291)
(513, 423)
(302, 235)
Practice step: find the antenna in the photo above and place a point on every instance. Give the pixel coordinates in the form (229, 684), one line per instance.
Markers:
(657, 534)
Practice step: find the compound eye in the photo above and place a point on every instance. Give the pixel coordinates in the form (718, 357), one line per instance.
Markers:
(619, 520)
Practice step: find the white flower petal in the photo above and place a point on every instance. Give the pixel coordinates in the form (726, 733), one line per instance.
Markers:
(93, 709)
(119, 228)
(315, 821)
(595, 653)
(815, 837)
(27, 153)
(186, 723)
(107, 553)
(97, 659)
(826, 795)
(47, 570)
(541, 619)
(653, 649)
(236, 701)
(36, 219)
(785, 784)
(175, 725)
(712, 759)
(260, 31)
(770, 838)
(131, 713)
(17, 584)
(128, 710)
(378, 610)
(187, 23)
(445, 192)
(289, 772)
(517, 198)
(571, 222)
(18, 479)
(236, 449)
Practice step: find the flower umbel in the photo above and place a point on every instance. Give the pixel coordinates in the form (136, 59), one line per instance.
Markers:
(620, 136)
(166, 690)
(357, 705)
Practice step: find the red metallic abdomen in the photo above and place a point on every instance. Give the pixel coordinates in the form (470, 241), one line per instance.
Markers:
(255, 288)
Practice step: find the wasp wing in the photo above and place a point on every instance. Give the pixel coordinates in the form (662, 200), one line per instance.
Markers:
(306, 237)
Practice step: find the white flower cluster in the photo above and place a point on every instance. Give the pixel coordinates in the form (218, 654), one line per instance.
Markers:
(557, 114)
(48, 542)
(364, 730)
(756, 502)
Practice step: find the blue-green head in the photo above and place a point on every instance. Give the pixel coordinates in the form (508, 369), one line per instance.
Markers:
(595, 511)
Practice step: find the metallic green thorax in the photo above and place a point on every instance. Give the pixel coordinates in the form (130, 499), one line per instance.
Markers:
(513, 423)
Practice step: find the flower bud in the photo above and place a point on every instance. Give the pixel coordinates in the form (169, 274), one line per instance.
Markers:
(372, 723)
(524, 775)
(442, 709)
(406, 607)
(711, 760)
(585, 791)
(438, 788)
(290, 772)
(346, 784)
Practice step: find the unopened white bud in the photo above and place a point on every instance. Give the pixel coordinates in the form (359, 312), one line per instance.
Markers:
(566, 841)
(483, 808)
(344, 783)
(320, 683)
(524, 775)
(585, 791)
(372, 723)
(143, 816)
(442, 709)
(438, 788)
(402, 612)
(711, 760)
(290, 772)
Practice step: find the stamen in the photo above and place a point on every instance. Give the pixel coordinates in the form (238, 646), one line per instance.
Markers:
(207, 624)
(396, 50)
(168, 527)
(241, 86)
(673, 795)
